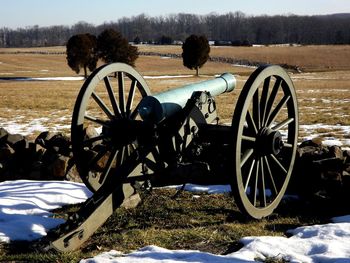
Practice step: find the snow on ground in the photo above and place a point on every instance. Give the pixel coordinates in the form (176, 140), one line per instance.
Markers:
(25, 215)
(341, 132)
(25, 206)
(33, 126)
(211, 189)
(18, 122)
(329, 243)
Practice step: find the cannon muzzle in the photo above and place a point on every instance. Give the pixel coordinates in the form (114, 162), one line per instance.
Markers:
(163, 105)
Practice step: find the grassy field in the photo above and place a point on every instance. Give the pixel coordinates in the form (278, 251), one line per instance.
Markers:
(323, 88)
(309, 58)
(211, 222)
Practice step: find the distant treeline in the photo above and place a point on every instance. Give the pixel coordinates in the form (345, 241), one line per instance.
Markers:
(224, 28)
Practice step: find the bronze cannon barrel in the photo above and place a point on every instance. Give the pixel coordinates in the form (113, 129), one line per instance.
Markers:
(160, 106)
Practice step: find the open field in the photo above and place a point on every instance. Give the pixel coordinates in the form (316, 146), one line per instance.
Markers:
(308, 58)
(323, 87)
(209, 223)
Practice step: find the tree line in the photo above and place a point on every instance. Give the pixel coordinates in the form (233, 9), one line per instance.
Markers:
(233, 27)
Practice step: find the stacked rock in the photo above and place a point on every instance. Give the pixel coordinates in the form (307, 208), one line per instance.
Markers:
(322, 171)
(49, 157)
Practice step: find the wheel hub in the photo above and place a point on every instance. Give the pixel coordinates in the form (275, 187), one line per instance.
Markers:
(121, 132)
(125, 131)
(269, 142)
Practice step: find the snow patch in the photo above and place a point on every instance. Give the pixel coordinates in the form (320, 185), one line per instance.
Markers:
(25, 215)
(210, 189)
(25, 206)
(327, 243)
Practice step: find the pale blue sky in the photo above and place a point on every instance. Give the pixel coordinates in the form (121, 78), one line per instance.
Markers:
(22, 13)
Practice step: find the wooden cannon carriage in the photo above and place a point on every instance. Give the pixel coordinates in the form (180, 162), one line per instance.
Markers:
(126, 140)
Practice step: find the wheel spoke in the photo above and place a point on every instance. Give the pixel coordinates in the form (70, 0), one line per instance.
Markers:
(129, 150)
(120, 156)
(262, 190)
(255, 190)
(263, 102)
(278, 163)
(102, 105)
(248, 138)
(98, 121)
(98, 157)
(154, 155)
(271, 175)
(251, 123)
(131, 97)
(121, 92)
(247, 154)
(249, 175)
(151, 164)
(277, 110)
(272, 99)
(112, 98)
(283, 124)
(134, 113)
(94, 139)
(109, 165)
(288, 145)
(256, 109)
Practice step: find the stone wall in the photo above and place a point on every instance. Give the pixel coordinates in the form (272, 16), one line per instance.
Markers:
(49, 157)
(322, 171)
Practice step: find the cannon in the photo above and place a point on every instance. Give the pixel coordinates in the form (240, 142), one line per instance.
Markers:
(126, 140)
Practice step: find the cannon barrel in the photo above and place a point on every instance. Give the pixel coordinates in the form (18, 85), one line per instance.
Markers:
(163, 105)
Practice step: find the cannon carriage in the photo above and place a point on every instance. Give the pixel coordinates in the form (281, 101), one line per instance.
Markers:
(126, 140)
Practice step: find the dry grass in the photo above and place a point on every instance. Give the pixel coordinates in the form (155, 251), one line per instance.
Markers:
(323, 96)
(34, 65)
(309, 58)
(58, 49)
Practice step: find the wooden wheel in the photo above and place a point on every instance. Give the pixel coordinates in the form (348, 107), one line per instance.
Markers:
(265, 131)
(105, 122)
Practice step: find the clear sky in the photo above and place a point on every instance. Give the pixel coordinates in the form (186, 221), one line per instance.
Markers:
(22, 13)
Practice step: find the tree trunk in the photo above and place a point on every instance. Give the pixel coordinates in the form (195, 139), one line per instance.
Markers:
(197, 71)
